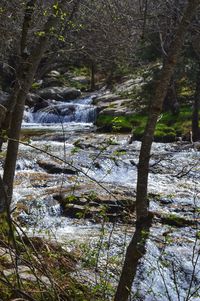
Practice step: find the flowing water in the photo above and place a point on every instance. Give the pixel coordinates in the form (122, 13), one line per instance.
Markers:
(66, 131)
(57, 112)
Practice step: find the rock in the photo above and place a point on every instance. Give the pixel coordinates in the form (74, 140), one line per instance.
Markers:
(59, 93)
(105, 98)
(52, 82)
(53, 73)
(82, 80)
(32, 99)
(129, 84)
(6, 257)
(41, 104)
(95, 206)
(26, 273)
(78, 211)
(117, 108)
(113, 105)
(54, 168)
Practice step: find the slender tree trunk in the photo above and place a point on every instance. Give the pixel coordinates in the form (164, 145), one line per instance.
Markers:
(15, 114)
(134, 254)
(92, 80)
(195, 113)
(28, 68)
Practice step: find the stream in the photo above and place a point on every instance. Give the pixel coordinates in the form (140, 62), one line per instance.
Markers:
(66, 135)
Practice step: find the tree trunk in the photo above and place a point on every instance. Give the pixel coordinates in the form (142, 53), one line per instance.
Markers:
(132, 255)
(170, 102)
(92, 80)
(195, 113)
(24, 81)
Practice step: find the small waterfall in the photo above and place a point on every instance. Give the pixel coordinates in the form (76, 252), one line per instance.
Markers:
(79, 110)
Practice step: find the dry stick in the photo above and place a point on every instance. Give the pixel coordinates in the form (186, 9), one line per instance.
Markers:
(194, 261)
(165, 284)
(107, 257)
(29, 263)
(175, 281)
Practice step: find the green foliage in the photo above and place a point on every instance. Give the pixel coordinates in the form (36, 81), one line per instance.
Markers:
(35, 86)
(164, 133)
(75, 150)
(70, 199)
(80, 71)
(40, 33)
(92, 195)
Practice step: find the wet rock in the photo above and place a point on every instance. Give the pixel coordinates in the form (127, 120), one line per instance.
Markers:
(40, 104)
(59, 93)
(78, 211)
(177, 220)
(32, 99)
(97, 165)
(82, 144)
(95, 206)
(55, 168)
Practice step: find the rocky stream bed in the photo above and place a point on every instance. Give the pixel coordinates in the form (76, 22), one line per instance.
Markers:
(71, 179)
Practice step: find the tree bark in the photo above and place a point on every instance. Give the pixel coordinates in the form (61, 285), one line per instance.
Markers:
(195, 113)
(24, 81)
(142, 211)
(92, 77)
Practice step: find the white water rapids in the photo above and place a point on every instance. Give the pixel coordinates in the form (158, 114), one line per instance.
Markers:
(66, 131)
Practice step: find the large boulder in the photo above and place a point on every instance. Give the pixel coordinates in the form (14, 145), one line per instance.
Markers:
(105, 98)
(59, 93)
(129, 84)
(118, 107)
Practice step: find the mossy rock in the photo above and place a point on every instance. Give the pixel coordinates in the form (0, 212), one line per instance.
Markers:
(177, 221)
(169, 126)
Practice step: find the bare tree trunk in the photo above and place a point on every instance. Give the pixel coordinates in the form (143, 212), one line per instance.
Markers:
(134, 254)
(92, 78)
(195, 113)
(24, 81)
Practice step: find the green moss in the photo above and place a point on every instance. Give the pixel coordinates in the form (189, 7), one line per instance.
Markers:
(164, 133)
(169, 126)
(124, 124)
(176, 220)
